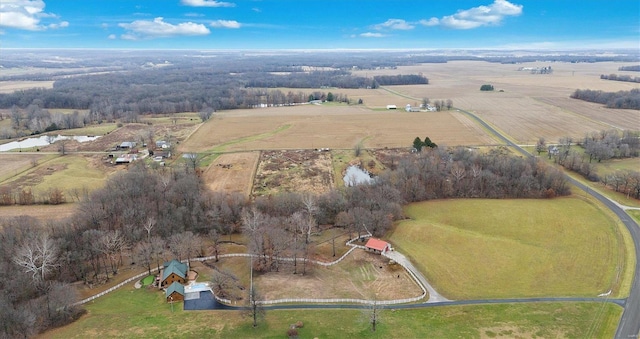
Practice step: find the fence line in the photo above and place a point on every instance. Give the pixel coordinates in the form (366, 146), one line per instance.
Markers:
(289, 300)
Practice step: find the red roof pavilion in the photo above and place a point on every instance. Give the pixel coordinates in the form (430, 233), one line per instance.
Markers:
(378, 245)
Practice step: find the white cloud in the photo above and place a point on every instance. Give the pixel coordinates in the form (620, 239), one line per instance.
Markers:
(398, 24)
(111, 37)
(372, 35)
(26, 15)
(225, 24)
(60, 25)
(475, 17)
(144, 29)
(430, 22)
(207, 3)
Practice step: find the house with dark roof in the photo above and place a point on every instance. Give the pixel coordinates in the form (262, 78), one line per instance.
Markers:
(377, 245)
(173, 271)
(175, 292)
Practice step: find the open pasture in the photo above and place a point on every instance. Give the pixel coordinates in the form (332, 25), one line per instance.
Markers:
(232, 172)
(532, 105)
(68, 173)
(143, 313)
(318, 126)
(514, 248)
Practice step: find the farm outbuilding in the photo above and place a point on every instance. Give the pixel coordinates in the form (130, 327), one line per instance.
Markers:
(377, 245)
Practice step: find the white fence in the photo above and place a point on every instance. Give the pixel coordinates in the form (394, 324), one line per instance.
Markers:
(290, 300)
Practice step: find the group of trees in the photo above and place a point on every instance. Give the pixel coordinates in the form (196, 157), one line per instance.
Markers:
(438, 104)
(486, 87)
(618, 77)
(401, 79)
(461, 173)
(599, 146)
(34, 120)
(621, 99)
(25, 196)
(418, 144)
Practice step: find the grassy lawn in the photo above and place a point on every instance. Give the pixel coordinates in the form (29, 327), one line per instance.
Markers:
(77, 174)
(143, 313)
(148, 280)
(515, 248)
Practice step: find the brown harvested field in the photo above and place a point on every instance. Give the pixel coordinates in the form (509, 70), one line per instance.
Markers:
(330, 126)
(361, 275)
(15, 163)
(41, 212)
(12, 86)
(532, 105)
(232, 172)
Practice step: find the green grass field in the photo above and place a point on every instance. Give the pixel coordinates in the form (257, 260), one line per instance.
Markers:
(143, 313)
(472, 249)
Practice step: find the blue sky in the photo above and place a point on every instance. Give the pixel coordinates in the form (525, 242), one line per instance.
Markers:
(327, 24)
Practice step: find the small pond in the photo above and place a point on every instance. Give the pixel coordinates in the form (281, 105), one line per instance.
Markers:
(43, 140)
(355, 176)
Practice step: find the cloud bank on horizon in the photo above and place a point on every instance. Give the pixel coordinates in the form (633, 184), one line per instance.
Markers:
(282, 23)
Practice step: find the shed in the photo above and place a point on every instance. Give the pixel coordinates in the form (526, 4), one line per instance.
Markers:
(128, 144)
(392, 107)
(175, 292)
(377, 245)
(174, 271)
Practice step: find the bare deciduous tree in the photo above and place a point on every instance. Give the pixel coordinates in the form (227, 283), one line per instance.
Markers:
(38, 256)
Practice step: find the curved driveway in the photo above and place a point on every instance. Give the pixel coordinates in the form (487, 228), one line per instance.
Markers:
(629, 325)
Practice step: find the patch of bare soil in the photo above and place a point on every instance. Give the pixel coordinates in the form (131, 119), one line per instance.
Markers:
(232, 172)
(293, 171)
(361, 275)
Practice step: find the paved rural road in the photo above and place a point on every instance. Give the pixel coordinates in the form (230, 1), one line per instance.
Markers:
(629, 326)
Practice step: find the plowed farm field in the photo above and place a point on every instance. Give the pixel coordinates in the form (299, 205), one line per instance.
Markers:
(330, 126)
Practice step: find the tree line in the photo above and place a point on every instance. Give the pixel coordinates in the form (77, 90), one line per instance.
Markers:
(621, 99)
(619, 77)
(401, 79)
(599, 146)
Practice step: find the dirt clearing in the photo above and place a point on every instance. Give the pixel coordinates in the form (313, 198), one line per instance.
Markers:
(361, 275)
(232, 172)
(293, 171)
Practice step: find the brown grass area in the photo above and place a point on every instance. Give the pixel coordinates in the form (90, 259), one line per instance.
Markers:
(14, 164)
(361, 275)
(293, 171)
(312, 126)
(41, 212)
(232, 172)
(12, 86)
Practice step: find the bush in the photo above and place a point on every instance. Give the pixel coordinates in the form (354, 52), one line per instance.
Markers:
(292, 332)
(486, 87)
